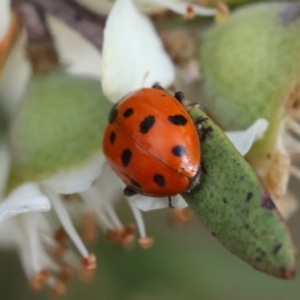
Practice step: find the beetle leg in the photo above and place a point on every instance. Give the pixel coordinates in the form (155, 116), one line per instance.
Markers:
(199, 121)
(179, 96)
(206, 132)
(170, 202)
(128, 192)
(156, 85)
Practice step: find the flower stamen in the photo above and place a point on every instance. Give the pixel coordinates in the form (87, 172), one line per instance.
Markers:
(122, 237)
(88, 230)
(89, 262)
(144, 240)
(180, 216)
(57, 288)
(67, 223)
(91, 197)
(65, 273)
(38, 281)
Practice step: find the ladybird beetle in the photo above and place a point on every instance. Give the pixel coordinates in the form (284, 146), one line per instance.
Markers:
(152, 144)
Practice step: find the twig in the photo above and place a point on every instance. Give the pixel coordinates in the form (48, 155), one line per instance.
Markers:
(40, 46)
(89, 24)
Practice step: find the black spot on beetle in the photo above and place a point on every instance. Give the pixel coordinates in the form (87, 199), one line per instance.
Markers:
(249, 196)
(277, 248)
(177, 120)
(113, 114)
(112, 137)
(225, 200)
(159, 180)
(178, 150)
(147, 124)
(128, 112)
(126, 157)
(267, 202)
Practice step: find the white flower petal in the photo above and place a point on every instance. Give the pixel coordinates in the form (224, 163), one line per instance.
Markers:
(66, 222)
(77, 180)
(244, 139)
(26, 198)
(133, 55)
(4, 165)
(145, 203)
(76, 53)
(16, 72)
(103, 195)
(183, 7)
(4, 17)
(7, 239)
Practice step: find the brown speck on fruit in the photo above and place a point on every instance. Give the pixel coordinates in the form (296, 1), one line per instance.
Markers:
(249, 196)
(287, 274)
(290, 13)
(277, 248)
(267, 202)
(292, 102)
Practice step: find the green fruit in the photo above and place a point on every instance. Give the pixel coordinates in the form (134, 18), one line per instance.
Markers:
(59, 126)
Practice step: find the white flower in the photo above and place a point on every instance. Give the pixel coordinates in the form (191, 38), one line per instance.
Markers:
(34, 235)
(133, 50)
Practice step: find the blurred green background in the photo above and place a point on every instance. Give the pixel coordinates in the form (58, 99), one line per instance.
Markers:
(184, 263)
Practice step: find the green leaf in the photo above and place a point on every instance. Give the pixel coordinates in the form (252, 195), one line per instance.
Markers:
(234, 206)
